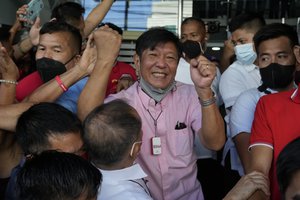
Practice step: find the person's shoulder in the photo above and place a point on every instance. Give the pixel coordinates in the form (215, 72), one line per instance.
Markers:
(274, 97)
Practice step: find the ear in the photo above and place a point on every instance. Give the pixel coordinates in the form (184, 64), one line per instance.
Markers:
(137, 63)
(297, 52)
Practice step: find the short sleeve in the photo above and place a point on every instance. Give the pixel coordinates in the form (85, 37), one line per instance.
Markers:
(231, 86)
(261, 133)
(242, 113)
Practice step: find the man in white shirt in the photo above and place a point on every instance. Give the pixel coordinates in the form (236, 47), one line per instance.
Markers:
(113, 137)
(241, 75)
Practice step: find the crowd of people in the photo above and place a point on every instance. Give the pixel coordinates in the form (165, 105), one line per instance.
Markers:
(76, 123)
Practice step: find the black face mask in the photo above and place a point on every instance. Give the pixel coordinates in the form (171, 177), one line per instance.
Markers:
(49, 68)
(297, 77)
(276, 76)
(192, 49)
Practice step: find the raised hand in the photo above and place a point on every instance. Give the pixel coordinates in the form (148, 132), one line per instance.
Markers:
(203, 72)
(89, 56)
(108, 43)
(34, 33)
(8, 68)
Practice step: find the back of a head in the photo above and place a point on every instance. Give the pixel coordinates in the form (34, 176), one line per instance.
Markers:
(155, 36)
(69, 12)
(275, 30)
(110, 131)
(41, 121)
(251, 22)
(61, 26)
(288, 164)
(56, 175)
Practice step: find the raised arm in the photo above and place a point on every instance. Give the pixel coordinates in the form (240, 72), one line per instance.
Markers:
(108, 44)
(51, 90)
(10, 74)
(96, 16)
(212, 132)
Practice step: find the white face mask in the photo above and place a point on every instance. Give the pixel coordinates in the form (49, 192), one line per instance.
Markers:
(245, 53)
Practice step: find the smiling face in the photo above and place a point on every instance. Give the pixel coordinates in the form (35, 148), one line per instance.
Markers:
(158, 66)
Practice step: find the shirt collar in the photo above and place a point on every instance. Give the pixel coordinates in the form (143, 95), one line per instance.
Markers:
(130, 173)
(248, 68)
(296, 96)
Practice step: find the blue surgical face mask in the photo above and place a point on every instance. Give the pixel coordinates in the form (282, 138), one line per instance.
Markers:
(245, 53)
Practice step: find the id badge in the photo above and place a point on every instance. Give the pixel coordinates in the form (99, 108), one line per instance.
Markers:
(156, 145)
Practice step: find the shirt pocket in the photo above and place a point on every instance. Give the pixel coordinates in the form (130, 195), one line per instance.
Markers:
(181, 142)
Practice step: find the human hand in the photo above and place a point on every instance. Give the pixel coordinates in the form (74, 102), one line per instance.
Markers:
(89, 56)
(21, 13)
(8, 68)
(203, 72)
(34, 32)
(124, 83)
(247, 185)
(108, 44)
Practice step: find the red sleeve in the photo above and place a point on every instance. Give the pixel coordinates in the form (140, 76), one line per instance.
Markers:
(261, 133)
(27, 85)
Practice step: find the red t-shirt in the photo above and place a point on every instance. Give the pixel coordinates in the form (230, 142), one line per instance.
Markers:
(276, 123)
(117, 71)
(27, 85)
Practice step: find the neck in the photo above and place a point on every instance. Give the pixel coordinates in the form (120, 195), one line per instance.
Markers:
(291, 86)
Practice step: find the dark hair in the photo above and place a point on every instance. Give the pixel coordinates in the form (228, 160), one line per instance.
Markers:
(68, 12)
(110, 131)
(112, 26)
(288, 164)
(41, 121)
(193, 19)
(60, 26)
(155, 36)
(54, 175)
(273, 31)
(249, 21)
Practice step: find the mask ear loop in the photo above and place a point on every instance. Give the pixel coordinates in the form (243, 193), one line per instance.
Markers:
(132, 147)
(71, 59)
(201, 49)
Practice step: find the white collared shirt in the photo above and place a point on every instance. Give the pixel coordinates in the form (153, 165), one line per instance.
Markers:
(124, 184)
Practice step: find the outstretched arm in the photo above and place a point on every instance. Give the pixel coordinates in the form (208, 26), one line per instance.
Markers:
(247, 185)
(108, 44)
(212, 132)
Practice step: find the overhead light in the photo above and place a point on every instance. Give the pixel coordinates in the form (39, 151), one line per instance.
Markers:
(216, 48)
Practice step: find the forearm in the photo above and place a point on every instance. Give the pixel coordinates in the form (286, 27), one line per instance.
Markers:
(9, 115)
(96, 16)
(212, 130)
(51, 90)
(7, 93)
(94, 91)
(241, 142)
(22, 48)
